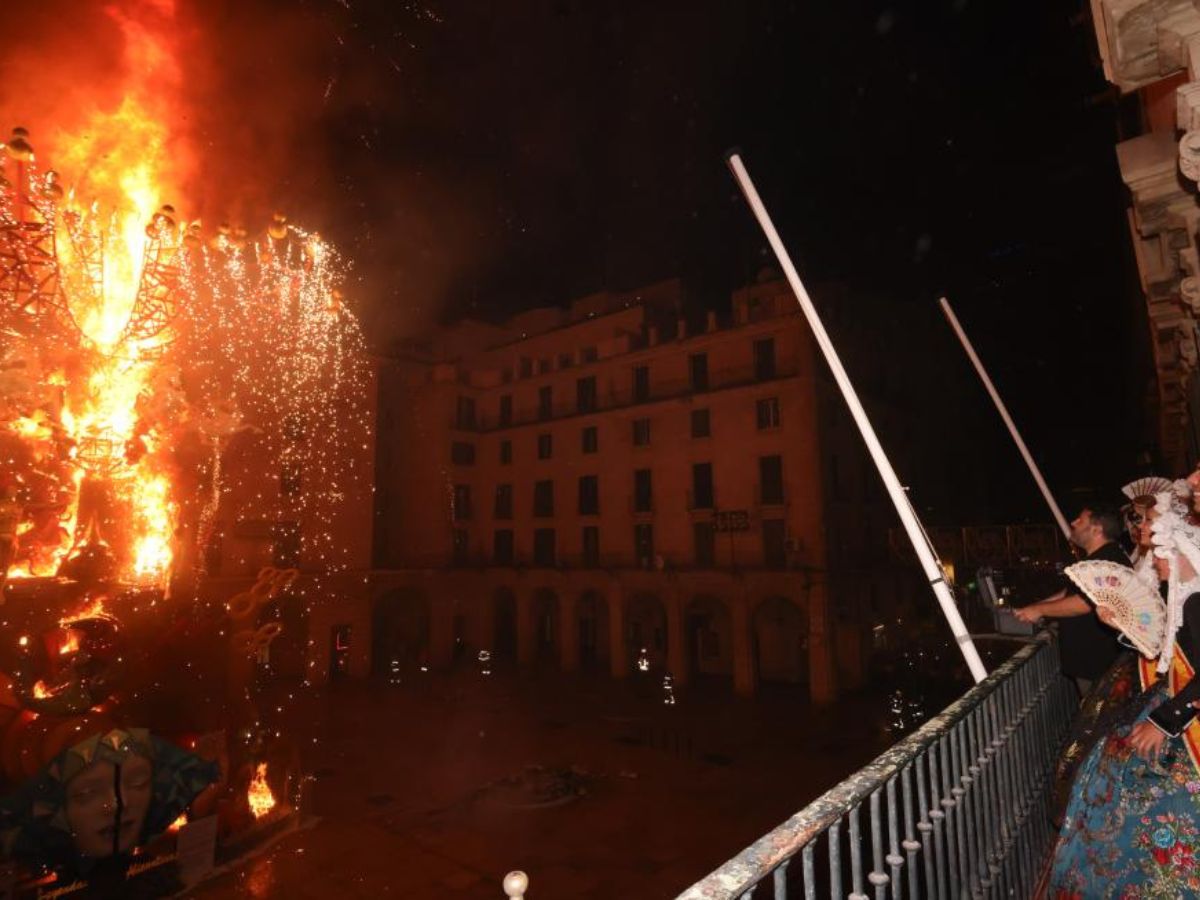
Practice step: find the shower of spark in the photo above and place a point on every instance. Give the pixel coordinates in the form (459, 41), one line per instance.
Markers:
(122, 331)
(131, 336)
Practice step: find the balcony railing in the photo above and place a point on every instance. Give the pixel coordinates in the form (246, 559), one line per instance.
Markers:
(958, 808)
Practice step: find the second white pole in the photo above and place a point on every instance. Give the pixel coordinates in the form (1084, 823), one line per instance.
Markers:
(908, 518)
(1003, 410)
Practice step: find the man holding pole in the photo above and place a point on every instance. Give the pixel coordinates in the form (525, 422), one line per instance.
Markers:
(1086, 645)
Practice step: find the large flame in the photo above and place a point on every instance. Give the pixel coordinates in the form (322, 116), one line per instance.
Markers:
(259, 795)
(110, 302)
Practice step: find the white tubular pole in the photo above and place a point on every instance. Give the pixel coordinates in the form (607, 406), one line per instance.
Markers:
(1003, 410)
(929, 563)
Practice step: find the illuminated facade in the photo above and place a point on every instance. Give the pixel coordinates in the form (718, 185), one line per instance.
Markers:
(577, 486)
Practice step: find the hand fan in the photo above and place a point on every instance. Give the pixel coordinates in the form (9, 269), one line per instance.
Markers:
(1135, 605)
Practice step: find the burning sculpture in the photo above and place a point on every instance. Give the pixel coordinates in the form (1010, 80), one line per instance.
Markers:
(141, 353)
(135, 348)
(123, 336)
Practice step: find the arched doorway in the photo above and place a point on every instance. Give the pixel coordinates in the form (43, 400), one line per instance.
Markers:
(400, 631)
(646, 628)
(286, 656)
(709, 631)
(505, 625)
(545, 625)
(780, 641)
(593, 630)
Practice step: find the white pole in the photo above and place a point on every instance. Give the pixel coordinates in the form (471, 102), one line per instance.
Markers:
(1003, 410)
(930, 565)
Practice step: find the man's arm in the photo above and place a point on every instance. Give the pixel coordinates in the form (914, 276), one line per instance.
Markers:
(1057, 606)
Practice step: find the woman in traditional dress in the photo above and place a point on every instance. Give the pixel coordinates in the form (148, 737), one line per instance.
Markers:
(1132, 824)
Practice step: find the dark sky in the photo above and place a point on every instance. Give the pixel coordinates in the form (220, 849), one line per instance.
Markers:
(478, 158)
(535, 151)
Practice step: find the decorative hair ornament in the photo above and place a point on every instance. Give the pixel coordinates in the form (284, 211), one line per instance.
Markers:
(1172, 536)
(1148, 486)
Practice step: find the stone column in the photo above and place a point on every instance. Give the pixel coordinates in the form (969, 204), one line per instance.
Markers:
(618, 647)
(525, 626)
(745, 677)
(822, 672)
(677, 649)
(568, 630)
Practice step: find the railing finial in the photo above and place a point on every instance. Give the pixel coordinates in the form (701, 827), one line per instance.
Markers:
(515, 885)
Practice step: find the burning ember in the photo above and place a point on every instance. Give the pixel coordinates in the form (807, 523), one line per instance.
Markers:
(259, 795)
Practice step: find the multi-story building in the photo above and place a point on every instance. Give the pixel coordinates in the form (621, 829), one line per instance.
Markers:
(601, 484)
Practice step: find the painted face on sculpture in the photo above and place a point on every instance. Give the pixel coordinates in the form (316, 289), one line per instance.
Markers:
(92, 805)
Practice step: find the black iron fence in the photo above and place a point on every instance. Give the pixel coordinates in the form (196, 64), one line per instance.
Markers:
(956, 809)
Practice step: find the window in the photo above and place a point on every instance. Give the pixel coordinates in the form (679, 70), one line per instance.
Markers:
(641, 432)
(643, 491)
(590, 439)
(589, 354)
(591, 546)
(702, 486)
(767, 412)
(502, 547)
(545, 446)
(504, 419)
(698, 371)
(462, 453)
(543, 498)
(545, 402)
(460, 547)
(705, 543)
(565, 361)
(641, 384)
(506, 453)
(504, 504)
(290, 478)
(643, 543)
(585, 394)
(701, 427)
(543, 546)
(464, 413)
(774, 544)
(764, 359)
(544, 366)
(525, 367)
(589, 495)
(770, 479)
(462, 502)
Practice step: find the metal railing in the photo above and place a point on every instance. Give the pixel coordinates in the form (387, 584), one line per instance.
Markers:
(958, 808)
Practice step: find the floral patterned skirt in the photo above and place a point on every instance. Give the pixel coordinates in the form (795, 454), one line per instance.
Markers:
(1132, 828)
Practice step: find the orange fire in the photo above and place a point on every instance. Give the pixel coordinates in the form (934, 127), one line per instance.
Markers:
(259, 795)
(70, 645)
(178, 823)
(127, 331)
(118, 163)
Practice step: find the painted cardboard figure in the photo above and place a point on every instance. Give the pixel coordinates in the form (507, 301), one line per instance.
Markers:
(95, 802)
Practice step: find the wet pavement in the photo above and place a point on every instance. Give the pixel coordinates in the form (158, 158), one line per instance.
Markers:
(436, 787)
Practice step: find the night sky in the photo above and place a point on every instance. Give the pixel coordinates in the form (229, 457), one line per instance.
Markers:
(481, 158)
(905, 149)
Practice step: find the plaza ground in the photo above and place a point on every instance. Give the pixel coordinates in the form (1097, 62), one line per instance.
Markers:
(434, 788)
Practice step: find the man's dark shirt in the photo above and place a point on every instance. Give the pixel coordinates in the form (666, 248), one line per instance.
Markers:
(1088, 646)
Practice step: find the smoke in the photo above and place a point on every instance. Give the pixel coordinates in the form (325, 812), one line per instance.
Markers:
(275, 106)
